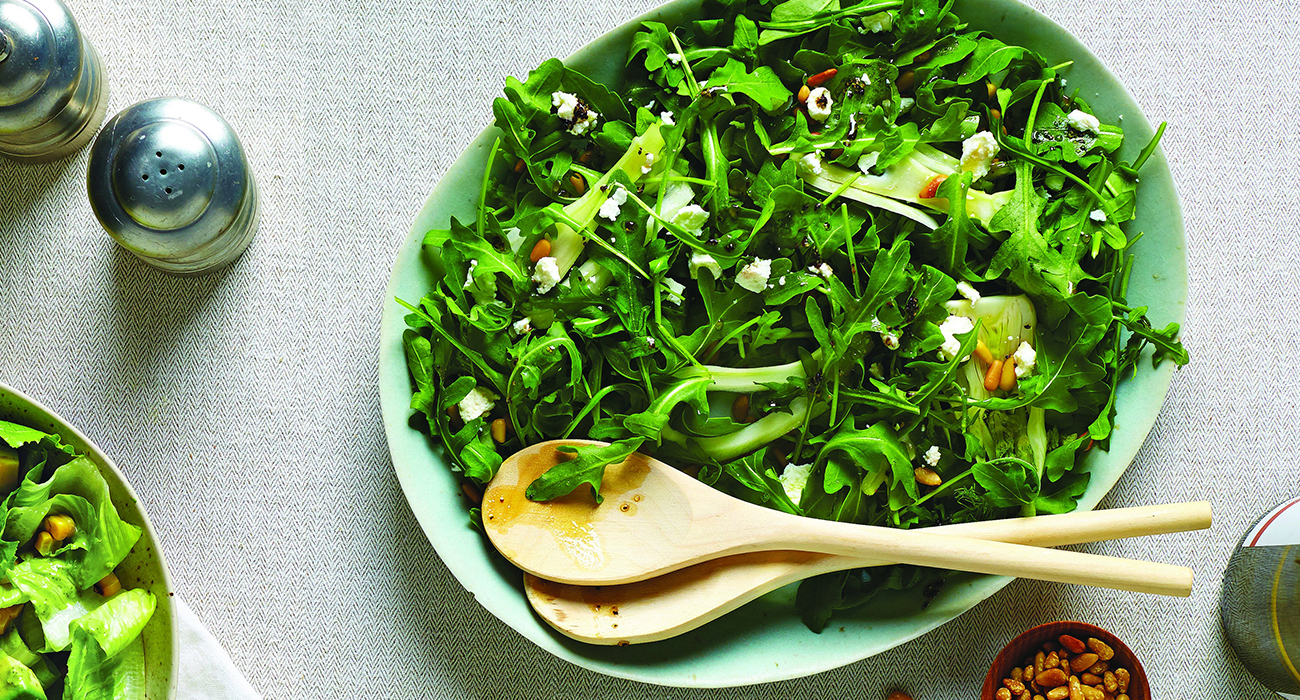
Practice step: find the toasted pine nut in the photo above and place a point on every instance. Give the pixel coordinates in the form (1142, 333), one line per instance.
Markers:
(471, 492)
(1099, 668)
(1053, 661)
(585, 157)
(804, 92)
(1058, 693)
(542, 249)
(1008, 380)
(44, 543)
(60, 527)
(995, 114)
(1051, 678)
(1076, 690)
(931, 187)
(1122, 680)
(1089, 679)
(1091, 693)
(835, 153)
(1016, 687)
(740, 408)
(109, 586)
(1002, 694)
(578, 184)
(1104, 652)
(927, 476)
(499, 430)
(994, 376)
(1017, 674)
(1082, 661)
(1110, 682)
(984, 354)
(1040, 659)
(819, 79)
(992, 90)
(519, 165)
(905, 81)
(1121, 696)
(1072, 643)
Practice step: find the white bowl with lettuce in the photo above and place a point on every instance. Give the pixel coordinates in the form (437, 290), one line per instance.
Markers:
(87, 610)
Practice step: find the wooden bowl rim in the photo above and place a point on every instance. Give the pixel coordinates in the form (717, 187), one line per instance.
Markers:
(1053, 630)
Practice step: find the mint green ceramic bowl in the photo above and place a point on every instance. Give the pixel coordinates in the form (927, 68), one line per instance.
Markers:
(765, 641)
(143, 567)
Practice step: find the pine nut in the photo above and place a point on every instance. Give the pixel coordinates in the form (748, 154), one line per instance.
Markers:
(819, 79)
(1058, 693)
(1089, 679)
(519, 165)
(578, 184)
(931, 187)
(992, 90)
(1122, 680)
(471, 492)
(1002, 694)
(1104, 652)
(927, 476)
(1072, 643)
(1008, 380)
(541, 250)
(994, 376)
(905, 81)
(1076, 690)
(1017, 674)
(995, 115)
(1110, 683)
(804, 92)
(740, 408)
(1053, 661)
(1016, 687)
(1082, 661)
(585, 157)
(985, 355)
(1051, 678)
(499, 430)
(1040, 658)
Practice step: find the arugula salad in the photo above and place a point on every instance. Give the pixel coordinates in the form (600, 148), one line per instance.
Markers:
(852, 261)
(69, 629)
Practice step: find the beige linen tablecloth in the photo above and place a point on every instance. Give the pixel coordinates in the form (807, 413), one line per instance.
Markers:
(244, 406)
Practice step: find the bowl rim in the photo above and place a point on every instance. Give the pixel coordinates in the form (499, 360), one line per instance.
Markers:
(396, 412)
(104, 462)
(1056, 628)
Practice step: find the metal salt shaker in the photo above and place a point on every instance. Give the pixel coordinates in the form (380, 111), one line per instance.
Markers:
(52, 88)
(170, 182)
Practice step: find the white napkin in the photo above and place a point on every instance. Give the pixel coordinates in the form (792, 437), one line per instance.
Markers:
(207, 673)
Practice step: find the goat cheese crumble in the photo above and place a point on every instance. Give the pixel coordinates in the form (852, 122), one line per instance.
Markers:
(667, 118)
(675, 58)
(977, 153)
(1098, 215)
(649, 163)
(951, 328)
(522, 326)
(613, 204)
(692, 218)
(1026, 359)
(469, 276)
(564, 103)
(810, 164)
(819, 104)
(932, 455)
(676, 290)
(965, 289)
(546, 274)
(476, 404)
(823, 269)
(794, 478)
(754, 275)
(891, 340)
(1083, 121)
(704, 261)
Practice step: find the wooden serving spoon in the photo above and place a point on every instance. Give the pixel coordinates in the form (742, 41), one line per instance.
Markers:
(680, 601)
(656, 519)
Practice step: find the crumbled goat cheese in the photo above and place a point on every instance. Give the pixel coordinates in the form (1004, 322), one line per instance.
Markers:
(564, 103)
(823, 269)
(1026, 359)
(794, 478)
(754, 275)
(951, 328)
(649, 340)
(1083, 121)
(613, 204)
(675, 58)
(649, 163)
(781, 281)
(977, 154)
(868, 161)
(706, 262)
(676, 290)
(546, 274)
(667, 118)
(585, 124)
(905, 104)
(891, 340)
(522, 326)
(469, 276)
(1098, 215)
(966, 290)
(819, 104)
(932, 455)
(691, 217)
(475, 404)
(810, 164)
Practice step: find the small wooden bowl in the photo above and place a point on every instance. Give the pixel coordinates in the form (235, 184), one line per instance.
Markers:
(1032, 641)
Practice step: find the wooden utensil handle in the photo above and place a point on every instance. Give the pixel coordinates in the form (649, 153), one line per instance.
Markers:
(951, 552)
(1088, 526)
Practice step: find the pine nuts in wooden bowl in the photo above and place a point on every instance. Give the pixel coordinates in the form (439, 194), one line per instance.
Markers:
(1066, 661)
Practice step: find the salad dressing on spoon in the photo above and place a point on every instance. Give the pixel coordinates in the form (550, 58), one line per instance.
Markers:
(680, 521)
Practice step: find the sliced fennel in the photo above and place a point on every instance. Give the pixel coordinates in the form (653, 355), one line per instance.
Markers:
(755, 435)
(748, 380)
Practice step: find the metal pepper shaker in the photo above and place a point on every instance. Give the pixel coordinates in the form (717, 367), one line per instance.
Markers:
(170, 182)
(52, 88)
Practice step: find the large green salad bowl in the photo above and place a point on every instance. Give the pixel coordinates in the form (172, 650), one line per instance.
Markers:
(765, 640)
(144, 566)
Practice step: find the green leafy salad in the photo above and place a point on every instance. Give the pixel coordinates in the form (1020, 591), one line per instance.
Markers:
(69, 630)
(848, 261)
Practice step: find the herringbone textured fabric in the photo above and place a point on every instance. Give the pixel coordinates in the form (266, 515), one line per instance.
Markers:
(244, 406)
